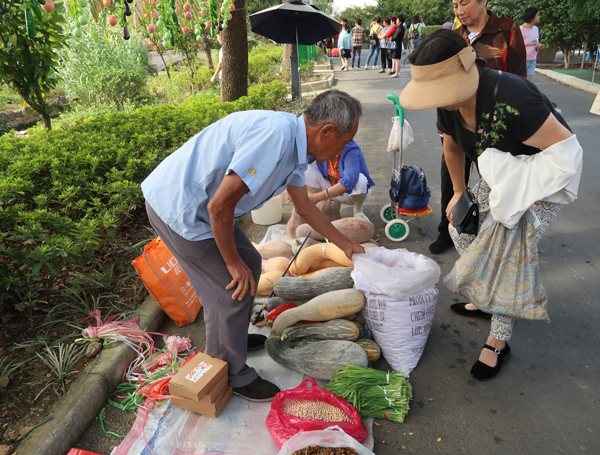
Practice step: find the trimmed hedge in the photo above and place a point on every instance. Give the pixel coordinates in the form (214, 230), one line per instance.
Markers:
(63, 192)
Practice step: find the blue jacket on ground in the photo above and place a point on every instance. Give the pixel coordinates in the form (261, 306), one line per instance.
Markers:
(352, 163)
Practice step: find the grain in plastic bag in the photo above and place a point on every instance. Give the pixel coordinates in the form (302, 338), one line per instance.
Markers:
(330, 437)
(283, 426)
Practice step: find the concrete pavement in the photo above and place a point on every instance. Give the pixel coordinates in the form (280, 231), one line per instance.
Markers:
(546, 398)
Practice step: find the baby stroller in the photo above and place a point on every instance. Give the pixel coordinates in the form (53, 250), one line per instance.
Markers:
(409, 193)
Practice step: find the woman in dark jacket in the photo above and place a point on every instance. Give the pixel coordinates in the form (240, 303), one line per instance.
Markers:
(397, 37)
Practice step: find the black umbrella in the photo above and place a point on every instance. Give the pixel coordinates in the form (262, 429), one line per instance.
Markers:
(294, 23)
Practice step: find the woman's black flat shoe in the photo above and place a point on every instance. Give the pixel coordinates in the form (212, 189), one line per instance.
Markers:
(459, 308)
(483, 372)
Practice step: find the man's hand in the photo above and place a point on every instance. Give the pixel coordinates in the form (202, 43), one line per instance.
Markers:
(221, 210)
(353, 248)
(212, 79)
(242, 279)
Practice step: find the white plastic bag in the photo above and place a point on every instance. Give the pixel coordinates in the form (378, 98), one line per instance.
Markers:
(397, 273)
(400, 294)
(394, 140)
(330, 437)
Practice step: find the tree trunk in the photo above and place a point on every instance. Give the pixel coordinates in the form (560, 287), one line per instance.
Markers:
(164, 63)
(287, 53)
(235, 55)
(567, 58)
(209, 59)
(46, 120)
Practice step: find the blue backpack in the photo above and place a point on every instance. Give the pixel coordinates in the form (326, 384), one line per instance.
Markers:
(410, 190)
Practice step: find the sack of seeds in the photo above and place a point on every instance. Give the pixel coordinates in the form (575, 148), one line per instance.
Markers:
(308, 408)
(331, 441)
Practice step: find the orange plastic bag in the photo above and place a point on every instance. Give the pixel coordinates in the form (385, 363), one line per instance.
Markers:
(167, 282)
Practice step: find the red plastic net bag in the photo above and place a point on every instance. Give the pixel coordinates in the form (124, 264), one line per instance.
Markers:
(282, 425)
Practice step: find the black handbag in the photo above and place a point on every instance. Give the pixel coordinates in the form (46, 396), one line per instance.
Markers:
(466, 214)
(466, 210)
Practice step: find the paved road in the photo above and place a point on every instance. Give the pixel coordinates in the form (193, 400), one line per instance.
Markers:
(546, 400)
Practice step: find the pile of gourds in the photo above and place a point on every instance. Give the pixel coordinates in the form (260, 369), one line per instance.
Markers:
(321, 326)
(317, 336)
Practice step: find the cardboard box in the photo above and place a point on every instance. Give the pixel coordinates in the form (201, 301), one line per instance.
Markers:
(206, 409)
(198, 377)
(216, 392)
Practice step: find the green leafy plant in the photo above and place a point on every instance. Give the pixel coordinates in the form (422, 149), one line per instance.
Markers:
(7, 370)
(61, 362)
(64, 193)
(102, 67)
(29, 52)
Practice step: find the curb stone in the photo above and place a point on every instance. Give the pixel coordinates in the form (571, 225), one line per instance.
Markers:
(75, 411)
(571, 81)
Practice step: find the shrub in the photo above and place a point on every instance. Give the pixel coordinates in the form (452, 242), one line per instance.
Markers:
(429, 30)
(102, 66)
(264, 63)
(64, 192)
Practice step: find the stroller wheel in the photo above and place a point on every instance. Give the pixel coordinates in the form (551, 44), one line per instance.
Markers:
(387, 213)
(397, 230)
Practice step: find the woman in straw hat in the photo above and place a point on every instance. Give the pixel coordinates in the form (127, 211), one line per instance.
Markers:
(498, 120)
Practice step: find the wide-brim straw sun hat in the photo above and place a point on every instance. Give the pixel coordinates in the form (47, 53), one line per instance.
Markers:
(446, 83)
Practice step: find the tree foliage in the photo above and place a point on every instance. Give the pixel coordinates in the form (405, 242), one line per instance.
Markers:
(559, 29)
(433, 12)
(28, 61)
(509, 8)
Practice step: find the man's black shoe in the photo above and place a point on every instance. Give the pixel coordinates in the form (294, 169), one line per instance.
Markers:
(257, 390)
(256, 341)
(440, 245)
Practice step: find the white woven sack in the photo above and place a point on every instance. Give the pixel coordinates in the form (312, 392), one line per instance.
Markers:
(400, 293)
(401, 327)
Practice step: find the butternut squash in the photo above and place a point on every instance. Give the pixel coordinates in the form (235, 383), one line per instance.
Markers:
(296, 244)
(318, 359)
(319, 272)
(295, 288)
(308, 256)
(273, 302)
(276, 264)
(322, 264)
(274, 248)
(265, 283)
(357, 229)
(336, 329)
(332, 305)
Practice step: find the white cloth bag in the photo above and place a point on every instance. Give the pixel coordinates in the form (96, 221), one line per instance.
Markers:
(400, 292)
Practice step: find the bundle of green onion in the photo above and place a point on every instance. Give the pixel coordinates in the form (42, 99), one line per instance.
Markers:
(373, 393)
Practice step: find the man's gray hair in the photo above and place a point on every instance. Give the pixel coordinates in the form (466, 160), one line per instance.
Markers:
(336, 107)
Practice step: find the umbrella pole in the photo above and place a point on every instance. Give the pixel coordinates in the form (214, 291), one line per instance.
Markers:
(295, 70)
